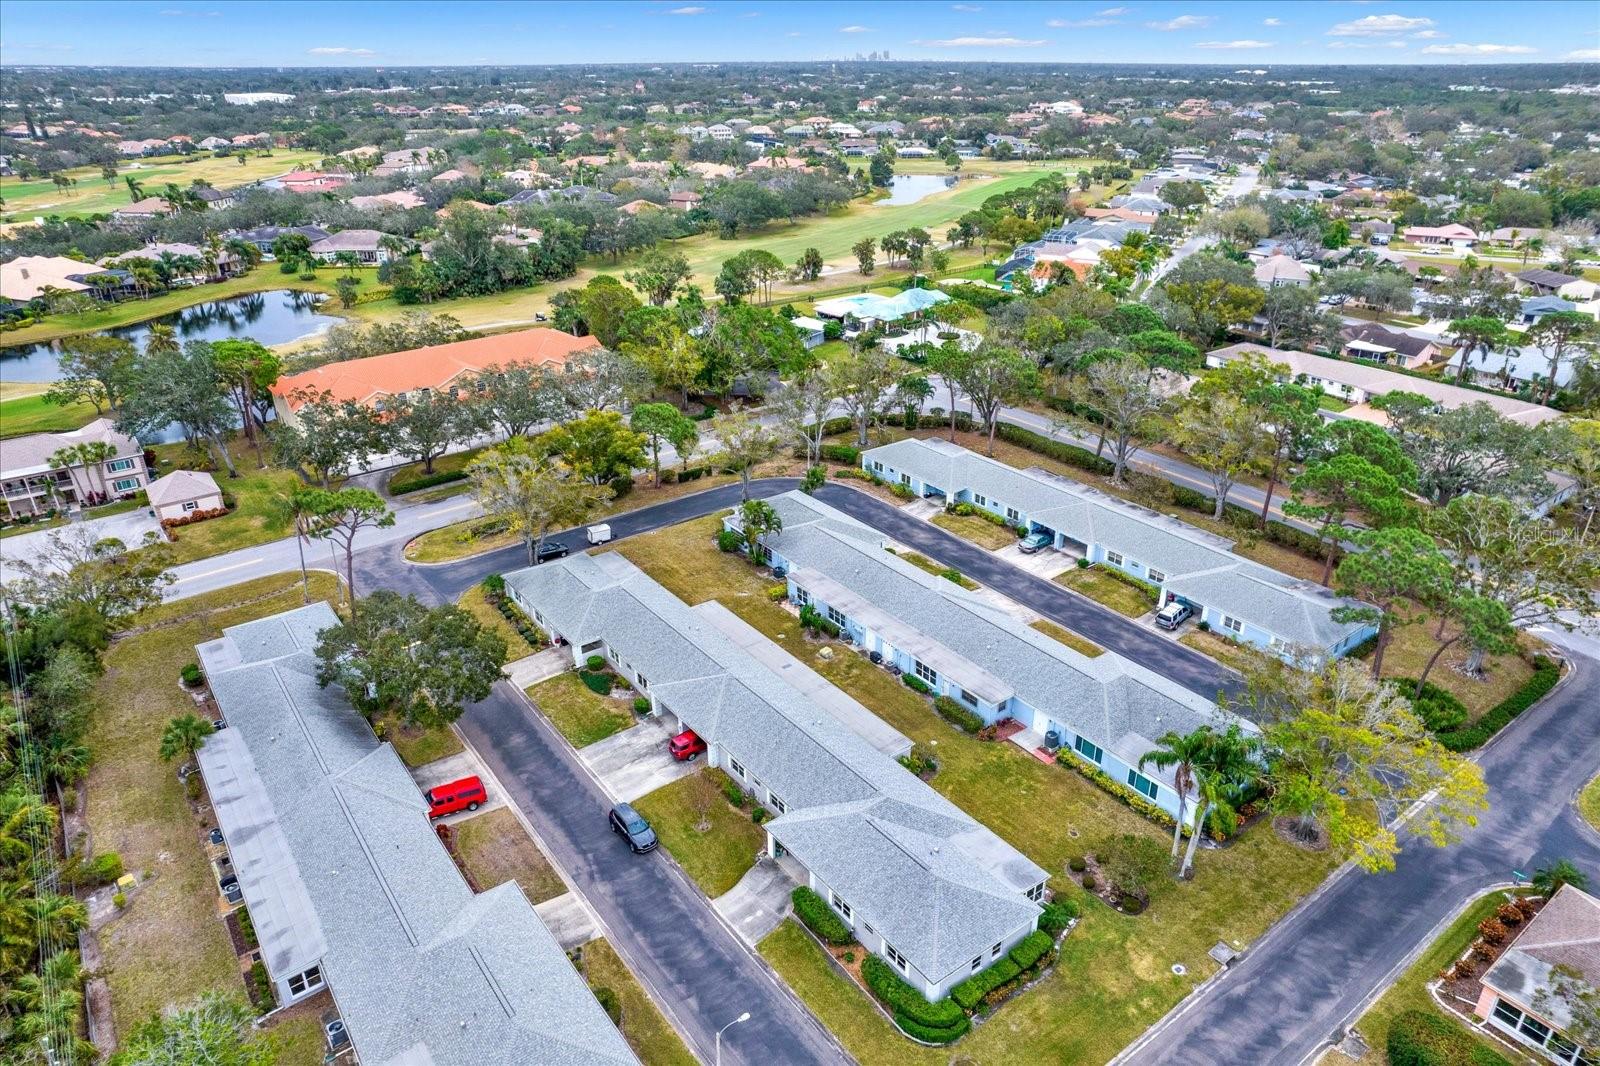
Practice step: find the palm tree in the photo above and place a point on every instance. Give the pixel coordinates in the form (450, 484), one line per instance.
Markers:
(395, 246)
(349, 260)
(93, 453)
(135, 188)
(185, 735)
(1547, 880)
(161, 340)
(303, 510)
(211, 256)
(1227, 767)
(1479, 333)
(243, 251)
(1179, 752)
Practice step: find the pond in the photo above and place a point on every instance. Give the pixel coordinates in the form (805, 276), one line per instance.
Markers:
(272, 318)
(909, 188)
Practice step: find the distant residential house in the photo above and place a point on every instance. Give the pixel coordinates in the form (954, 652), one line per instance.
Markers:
(263, 236)
(450, 175)
(366, 244)
(439, 368)
(28, 277)
(1565, 933)
(408, 161)
(1380, 344)
(33, 482)
(228, 263)
(684, 199)
(141, 211)
(813, 331)
(211, 144)
(400, 200)
(1280, 270)
(1512, 367)
(1455, 234)
(1536, 307)
(214, 199)
(182, 493)
(1542, 282)
(309, 181)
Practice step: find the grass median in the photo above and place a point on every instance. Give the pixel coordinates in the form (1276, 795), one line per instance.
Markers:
(579, 714)
(1099, 585)
(718, 854)
(984, 534)
(643, 1025)
(496, 849)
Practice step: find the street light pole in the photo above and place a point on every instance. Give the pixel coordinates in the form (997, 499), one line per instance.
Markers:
(741, 1018)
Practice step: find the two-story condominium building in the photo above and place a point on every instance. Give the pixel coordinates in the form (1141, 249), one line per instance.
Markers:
(378, 379)
(1106, 710)
(1237, 597)
(34, 480)
(921, 883)
(350, 889)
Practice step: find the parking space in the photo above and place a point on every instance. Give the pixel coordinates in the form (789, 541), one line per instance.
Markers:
(757, 904)
(454, 768)
(540, 666)
(1046, 564)
(636, 762)
(569, 920)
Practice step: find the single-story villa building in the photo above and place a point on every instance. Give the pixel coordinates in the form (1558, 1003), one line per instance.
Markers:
(1106, 710)
(28, 276)
(1512, 367)
(366, 244)
(439, 368)
(146, 210)
(869, 307)
(399, 200)
(1237, 597)
(349, 887)
(1536, 307)
(264, 236)
(1566, 933)
(1276, 270)
(1358, 382)
(1543, 282)
(1379, 344)
(182, 493)
(1454, 234)
(813, 331)
(919, 881)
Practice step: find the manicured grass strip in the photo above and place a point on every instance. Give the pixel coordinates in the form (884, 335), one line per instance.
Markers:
(170, 945)
(35, 414)
(840, 1004)
(497, 849)
(419, 747)
(409, 478)
(582, 716)
(1104, 589)
(985, 535)
(1230, 654)
(721, 854)
(256, 491)
(1062, 635)
(472, 601)
(644, 1027)
(1589, 802)
(949, 573)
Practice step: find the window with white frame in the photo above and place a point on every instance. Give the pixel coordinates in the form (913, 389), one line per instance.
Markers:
(836, 616)
(736, 767)
(838, 904)
(968, 698)
(1013, 514)
(1114, 558)
(801, 596)
(301, 983)
(643, 684)
(1089, 751)
(777, 804)
(1036, 893)
(116, 466)
(994, 952)
(926, 672)
(905, 479)
(877, 467)
(980, 499)
(1157, 576)
(895, 957)
(977, 964)
(1232, 624)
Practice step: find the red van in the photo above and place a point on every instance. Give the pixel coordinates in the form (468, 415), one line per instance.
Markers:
(463, 795)
(686, 745)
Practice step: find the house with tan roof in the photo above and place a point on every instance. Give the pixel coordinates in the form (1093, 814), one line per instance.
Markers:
(400, 199)
(33, 481)
(442, 367)
(145, 210)
(27, 277)
(366, 244)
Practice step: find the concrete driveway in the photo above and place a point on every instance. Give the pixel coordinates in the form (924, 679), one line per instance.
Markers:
(756, 905)
(129, 527)
(1046, 564)
(635, 762)
(454, 768)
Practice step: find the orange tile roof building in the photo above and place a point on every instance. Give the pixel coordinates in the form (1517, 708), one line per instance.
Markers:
(372, 380)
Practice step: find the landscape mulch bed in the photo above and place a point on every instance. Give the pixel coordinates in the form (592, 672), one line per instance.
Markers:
(1290, 833)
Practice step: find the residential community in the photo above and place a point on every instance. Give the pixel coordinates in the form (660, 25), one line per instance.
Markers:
(690, 543)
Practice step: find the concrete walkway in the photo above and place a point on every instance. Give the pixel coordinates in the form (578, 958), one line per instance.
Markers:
(635, 762)
(540, 666)
(757, 904)
(569, 920)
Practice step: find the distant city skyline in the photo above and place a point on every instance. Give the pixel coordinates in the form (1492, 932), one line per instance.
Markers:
(357, 33)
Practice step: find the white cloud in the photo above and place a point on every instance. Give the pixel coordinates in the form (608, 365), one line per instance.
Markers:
(1379, 26)
(1112, 12)
(1427, 35)
(965, 7)
(339, 51)
(1183, 22)
(855, 29)
(1584, 53)
(981, 42)
(794, 33)
(1364, 45)
(1478, 50)
(1062, 24)
(1272, 22)
(687, 11)
(1232, 45)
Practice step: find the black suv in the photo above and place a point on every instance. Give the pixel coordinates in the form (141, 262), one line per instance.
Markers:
(550, 550)
(634, 829)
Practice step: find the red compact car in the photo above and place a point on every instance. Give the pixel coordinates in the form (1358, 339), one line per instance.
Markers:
(686, 745)
(463, 795)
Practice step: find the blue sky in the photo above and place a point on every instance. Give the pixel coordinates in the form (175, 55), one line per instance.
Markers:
(231, 33)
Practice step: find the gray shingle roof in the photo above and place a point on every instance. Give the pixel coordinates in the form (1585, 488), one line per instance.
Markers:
(1565, 933)
(854, 815)
(1117, 704)
(1198, 565)
(31, 452)
(341, 868)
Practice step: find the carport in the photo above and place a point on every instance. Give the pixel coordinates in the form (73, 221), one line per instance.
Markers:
(636, 762)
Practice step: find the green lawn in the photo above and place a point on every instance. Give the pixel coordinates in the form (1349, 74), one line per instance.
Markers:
(838, 1002)
(716, 857)
(1229, 653)
(922, 562)
(35, 414)
(496, 848)
(644, 1027)
(1410, 992)
(473, 602)
(170, 944)
(1116, 976)
(1101, 587)
(984, 534)
(582, 716)
(417, 746)
(445, 464)
(1589, 802)
(255, 492)
(93, 195)
(1063, 635)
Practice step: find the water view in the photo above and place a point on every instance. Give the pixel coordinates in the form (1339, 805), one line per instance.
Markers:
(276, 317)
(909, 188)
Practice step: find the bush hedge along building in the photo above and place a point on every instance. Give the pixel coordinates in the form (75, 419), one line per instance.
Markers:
(1237, 597)
(920, 883)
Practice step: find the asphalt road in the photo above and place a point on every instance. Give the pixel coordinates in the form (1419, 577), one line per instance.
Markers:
(654, 916)
(1309, 978)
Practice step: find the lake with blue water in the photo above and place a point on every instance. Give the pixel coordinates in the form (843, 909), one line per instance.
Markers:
(909, 188)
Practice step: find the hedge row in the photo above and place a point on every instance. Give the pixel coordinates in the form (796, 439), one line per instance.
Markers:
(1134, 800)
(1545, 675)
(970, 994)
(933, 1023)
(813, 910)
(1420, 1038)
(1027, 952)
(1439, 710)
(915, 683)
(1060, 451)
(400, 486)
(842, 453)
(957, 715)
